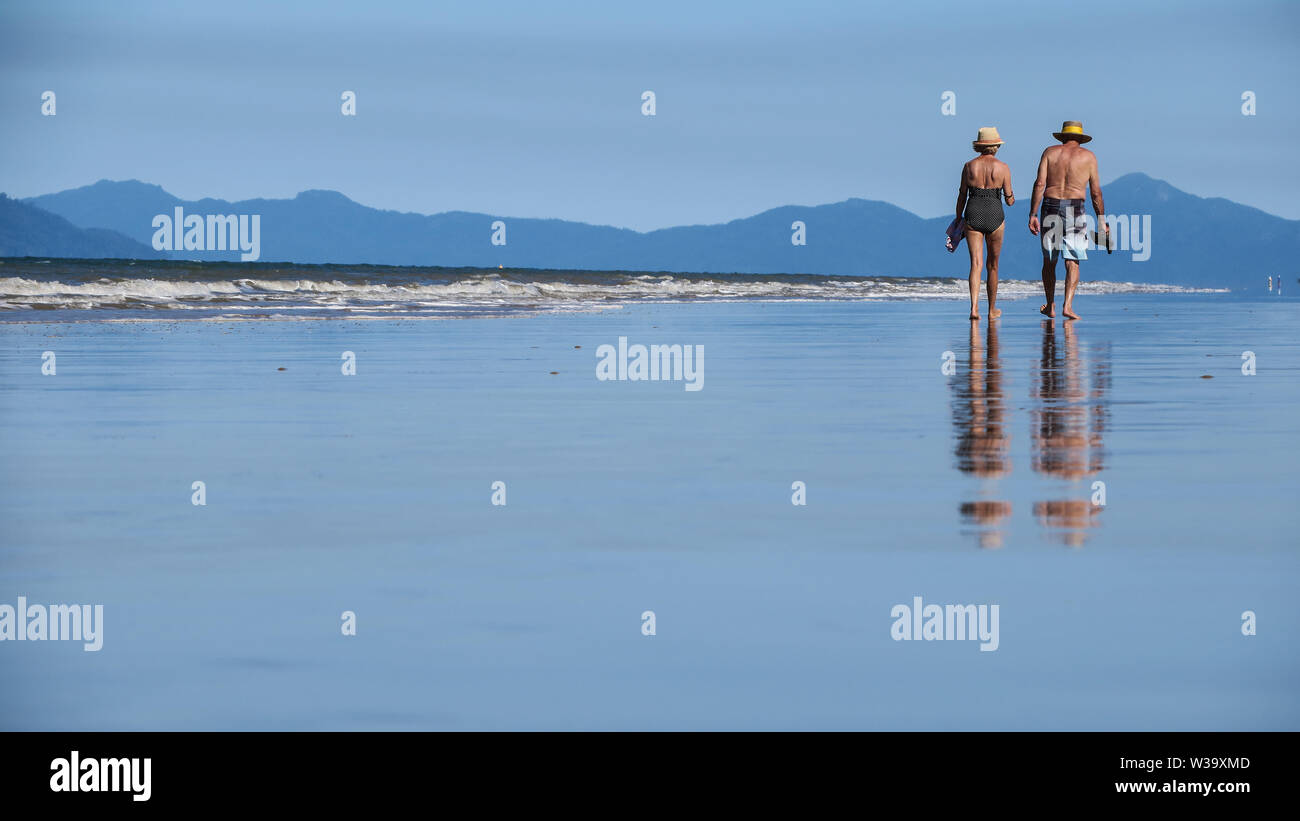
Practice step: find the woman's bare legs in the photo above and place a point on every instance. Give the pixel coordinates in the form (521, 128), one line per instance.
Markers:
(975, 245)
(995, 251)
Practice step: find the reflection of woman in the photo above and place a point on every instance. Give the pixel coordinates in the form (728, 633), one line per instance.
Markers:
(983, 181)
(982, 440)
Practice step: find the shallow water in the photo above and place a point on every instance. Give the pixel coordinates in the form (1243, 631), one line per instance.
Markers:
(372, 493)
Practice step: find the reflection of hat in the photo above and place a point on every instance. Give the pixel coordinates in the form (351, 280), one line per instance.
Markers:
(1071, 130)
(986, 136)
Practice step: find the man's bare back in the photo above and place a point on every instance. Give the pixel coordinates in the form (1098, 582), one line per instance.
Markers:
(1070, 168)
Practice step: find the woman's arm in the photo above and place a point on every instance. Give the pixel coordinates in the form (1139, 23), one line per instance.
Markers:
(961, 194)
(1006, 186)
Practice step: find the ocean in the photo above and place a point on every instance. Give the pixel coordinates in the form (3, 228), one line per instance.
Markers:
(1122, 488)
(192, 290)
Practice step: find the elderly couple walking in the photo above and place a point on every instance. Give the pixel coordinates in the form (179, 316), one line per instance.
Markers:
(1056, 213)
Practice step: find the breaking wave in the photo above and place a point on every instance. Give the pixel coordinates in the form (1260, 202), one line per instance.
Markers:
(185, 290)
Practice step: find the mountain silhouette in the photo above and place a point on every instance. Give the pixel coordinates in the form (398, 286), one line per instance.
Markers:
(28, 231)
(1194, 241)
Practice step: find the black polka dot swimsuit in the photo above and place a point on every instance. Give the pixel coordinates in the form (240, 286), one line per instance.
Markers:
(983, 209)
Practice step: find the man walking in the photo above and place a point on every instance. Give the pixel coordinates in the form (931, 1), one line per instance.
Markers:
(1064, 171)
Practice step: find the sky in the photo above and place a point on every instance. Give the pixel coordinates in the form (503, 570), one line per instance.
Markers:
(530, 109)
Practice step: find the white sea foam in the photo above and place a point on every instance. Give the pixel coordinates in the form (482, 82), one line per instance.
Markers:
(478, 293)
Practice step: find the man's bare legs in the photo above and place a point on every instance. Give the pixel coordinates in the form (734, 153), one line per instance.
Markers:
(1049, 288)
(1071, 283)
(975, 246)
(995, 251)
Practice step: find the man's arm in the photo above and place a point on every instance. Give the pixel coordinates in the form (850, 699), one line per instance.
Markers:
(961, 193)
(1040, 185)
(1094, 185)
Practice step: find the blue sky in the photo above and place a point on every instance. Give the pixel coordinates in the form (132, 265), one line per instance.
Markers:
(534, 109)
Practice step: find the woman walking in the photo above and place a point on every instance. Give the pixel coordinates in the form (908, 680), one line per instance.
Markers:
(985, 180)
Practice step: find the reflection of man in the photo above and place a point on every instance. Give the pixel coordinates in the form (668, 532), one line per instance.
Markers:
(1060, 429)
(1064, 171)
(1066, 433)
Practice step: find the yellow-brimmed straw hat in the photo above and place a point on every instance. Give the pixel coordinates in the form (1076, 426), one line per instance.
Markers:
(1071, 130)
(987, 136)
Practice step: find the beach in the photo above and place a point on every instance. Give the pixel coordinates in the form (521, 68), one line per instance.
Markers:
(373, 493)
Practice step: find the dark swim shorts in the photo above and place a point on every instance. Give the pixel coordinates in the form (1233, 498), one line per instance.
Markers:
(1063, 229)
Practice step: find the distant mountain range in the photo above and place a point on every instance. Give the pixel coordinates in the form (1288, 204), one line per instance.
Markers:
(26, 231)
(1194, 241)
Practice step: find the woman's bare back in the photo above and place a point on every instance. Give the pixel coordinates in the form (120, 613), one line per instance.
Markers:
(986, 171)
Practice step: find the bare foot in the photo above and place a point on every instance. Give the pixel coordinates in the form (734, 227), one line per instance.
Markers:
(1069, 313)
(994, 313)
(974, 315)
(1048, 309)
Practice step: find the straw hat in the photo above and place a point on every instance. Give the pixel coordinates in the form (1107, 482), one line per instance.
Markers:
(1071, 129)
(987, 136)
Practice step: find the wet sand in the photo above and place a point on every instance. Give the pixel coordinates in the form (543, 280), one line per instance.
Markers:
(372, 493)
